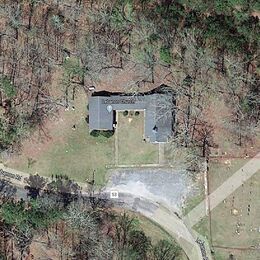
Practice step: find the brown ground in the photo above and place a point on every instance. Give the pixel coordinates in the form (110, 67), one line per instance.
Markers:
(40, 250)
(114, 80)
(125, 80)
(40, 140)
(218, 115)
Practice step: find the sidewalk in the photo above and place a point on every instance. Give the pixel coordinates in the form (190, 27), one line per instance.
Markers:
(224, 190)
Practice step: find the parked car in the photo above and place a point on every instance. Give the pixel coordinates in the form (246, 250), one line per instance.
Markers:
(91, 88)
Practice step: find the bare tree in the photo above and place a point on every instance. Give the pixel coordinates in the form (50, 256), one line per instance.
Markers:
(35, 185)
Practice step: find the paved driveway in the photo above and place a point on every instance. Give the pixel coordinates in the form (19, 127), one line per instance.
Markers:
(157, 185)
(162, 185)
(158, 194)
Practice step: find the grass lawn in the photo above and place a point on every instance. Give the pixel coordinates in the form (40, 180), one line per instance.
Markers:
(72, 152)
(78, 157)
(132, 149)
(239, 230)
(155, 232)
(225, 254)
(222, 169)
(152, 229)
(193, 201)
(235, 222)
(203, 228)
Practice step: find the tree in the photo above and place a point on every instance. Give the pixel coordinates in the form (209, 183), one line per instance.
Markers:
(7, 87)
(67, 189)
(22, 220)
(35, 184)
(16, 221)
(165, 250)
(91, 243)
(78, 217)
(139, 243)
(165, 55)
(242, 98)
(204, 137)
(124, 225)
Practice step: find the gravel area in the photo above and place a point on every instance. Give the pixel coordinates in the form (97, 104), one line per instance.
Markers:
(165, 186)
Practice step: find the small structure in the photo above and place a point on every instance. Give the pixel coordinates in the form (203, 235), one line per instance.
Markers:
(158, 110)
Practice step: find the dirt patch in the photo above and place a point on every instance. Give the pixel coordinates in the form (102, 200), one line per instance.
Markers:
(256, 14)
(131, 78)
(218, 115)
(41, 250)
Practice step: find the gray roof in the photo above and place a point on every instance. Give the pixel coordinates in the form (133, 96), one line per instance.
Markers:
(157, 107)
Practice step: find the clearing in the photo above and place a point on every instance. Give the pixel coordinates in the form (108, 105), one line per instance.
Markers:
(235, 222)
(224, 254)
(132, 149)
(69, 149)
(233, 226)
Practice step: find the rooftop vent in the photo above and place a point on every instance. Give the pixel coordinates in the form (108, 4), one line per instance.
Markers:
(109, 108)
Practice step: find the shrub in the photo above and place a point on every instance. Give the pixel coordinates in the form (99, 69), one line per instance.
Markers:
(7, 87)
(137, 113)
(95, 133)
(125, 113)
(107, 134)
(165, 55)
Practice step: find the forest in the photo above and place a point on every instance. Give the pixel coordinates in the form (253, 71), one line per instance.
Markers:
(71, 225)
(204, 48)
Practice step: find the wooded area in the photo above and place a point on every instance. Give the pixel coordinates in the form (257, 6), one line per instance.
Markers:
(205, 47)
(74, 226)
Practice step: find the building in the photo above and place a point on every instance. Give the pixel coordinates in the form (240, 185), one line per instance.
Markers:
(158, 110)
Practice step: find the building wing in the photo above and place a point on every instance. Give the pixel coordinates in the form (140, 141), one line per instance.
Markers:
(158, 113)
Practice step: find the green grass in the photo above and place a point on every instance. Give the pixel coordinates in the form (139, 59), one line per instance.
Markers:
(218, 255)
(82, 155)
(221, 171)
(192, 201)
(155, 232)
(71, 152)
(203, 228)
(131, 146)
(78, 157)
(221, 254)
(224, 224)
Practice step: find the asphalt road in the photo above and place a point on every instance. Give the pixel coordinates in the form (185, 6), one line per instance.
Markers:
(167, 219)
(158, 212)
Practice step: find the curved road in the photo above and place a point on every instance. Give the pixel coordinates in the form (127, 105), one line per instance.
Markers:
(167, 219)
(159, 214)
